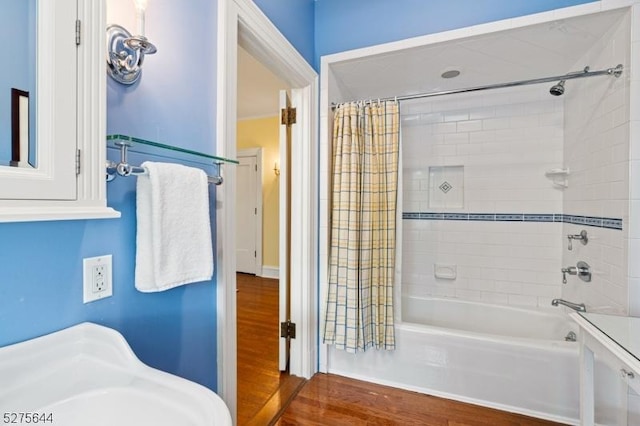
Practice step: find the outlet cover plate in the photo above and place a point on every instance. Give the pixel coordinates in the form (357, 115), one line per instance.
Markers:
(97, 283)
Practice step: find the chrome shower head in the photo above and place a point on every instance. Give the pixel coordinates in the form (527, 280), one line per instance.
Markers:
(557, 89)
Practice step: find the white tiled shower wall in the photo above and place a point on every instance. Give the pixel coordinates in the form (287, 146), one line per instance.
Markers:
(634, 155)
(596, 149)
(506, 140)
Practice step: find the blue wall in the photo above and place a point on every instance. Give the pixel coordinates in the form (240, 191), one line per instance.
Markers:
(41, 263)
(295, 20)
(41, 291)
(349, 24)
(175, 99)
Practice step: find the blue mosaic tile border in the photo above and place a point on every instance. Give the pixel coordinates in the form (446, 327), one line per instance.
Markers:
(600, 222)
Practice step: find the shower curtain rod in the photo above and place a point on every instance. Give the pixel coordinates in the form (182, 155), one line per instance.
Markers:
(616, 72)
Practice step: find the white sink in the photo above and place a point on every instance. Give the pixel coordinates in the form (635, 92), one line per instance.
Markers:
(87, 374)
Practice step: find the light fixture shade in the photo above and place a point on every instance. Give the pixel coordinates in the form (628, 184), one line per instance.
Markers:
(126, 52)
(141, 5)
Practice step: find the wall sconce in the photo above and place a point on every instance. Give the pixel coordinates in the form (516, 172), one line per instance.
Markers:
(276, 169)
(126, 52)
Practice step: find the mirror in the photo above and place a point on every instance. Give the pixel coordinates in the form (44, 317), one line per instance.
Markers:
(18, 83)
(57, 48)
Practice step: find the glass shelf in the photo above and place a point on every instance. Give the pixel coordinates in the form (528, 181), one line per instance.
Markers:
(157, 149)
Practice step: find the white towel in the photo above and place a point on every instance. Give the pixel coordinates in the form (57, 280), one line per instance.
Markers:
(173, 243)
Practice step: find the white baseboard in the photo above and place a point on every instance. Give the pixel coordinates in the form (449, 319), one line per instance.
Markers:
(270, 272)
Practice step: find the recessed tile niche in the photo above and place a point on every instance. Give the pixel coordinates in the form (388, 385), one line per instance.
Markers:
(446, 187)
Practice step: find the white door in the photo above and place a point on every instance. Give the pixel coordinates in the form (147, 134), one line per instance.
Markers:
(246, 215)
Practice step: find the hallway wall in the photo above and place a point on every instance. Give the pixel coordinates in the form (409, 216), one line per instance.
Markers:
(264, 133)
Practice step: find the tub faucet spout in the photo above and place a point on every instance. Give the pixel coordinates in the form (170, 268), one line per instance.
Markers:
(578, 307)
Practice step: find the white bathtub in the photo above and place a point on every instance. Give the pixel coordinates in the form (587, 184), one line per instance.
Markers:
(503, 357)
(494, 320)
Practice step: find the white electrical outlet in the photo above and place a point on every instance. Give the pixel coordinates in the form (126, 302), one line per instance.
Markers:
(97, 278)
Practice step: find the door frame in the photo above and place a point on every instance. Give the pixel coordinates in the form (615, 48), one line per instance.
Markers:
(257, 153)
(242, 22)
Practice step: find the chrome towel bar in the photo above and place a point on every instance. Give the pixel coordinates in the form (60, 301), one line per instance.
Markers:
(123, 168)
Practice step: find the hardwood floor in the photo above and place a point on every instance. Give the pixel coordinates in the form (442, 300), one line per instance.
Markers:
(262, 390)
(333, 400)
(265, 395)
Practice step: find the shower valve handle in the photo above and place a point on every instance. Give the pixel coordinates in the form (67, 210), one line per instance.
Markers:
(582, 237)
(571, 270)
(582, 270)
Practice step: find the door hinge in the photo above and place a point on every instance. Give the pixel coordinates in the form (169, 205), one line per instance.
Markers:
(288, 330)
(255, 253)
(77, 162)
(77, 32)
(255, 210)
(288, 116)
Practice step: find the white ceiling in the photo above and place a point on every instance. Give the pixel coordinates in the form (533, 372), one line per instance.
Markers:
(536, 51)
(258, 88)
(530, 52)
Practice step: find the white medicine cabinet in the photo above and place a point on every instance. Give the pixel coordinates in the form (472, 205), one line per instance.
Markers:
(53, 146)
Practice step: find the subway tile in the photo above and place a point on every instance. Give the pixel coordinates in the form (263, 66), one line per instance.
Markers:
(509, 108)
(634, 297)
(435, 117)
(538, 290)
(525, 121)
(494, 274)
(488, 135)
(445, 128)
(634, 253)
(634, 226)
(550, 119)
(519, 141)
(482, 113)
(616, 293)
(620, 152)
(444, 150)
(513, 135)
(521, 300)
(495, 123)
(482, 285)
(481, 205)
(509, 287)
(468, 149)
(494, 298)
(456, 116)
(545, 302)
(469, 126)
(456, 138)
(468, 294)
(634, 192)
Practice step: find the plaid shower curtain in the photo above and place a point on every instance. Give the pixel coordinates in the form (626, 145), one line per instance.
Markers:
(359, 310)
